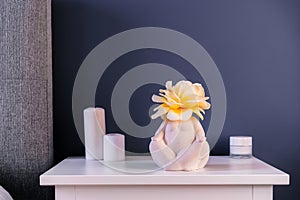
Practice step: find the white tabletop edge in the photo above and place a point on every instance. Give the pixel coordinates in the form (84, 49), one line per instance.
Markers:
(277, 177)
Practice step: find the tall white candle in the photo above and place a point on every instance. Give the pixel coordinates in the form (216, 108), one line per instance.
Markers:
(94, 130)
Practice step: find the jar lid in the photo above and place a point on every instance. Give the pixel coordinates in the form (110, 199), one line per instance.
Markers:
(241, 140)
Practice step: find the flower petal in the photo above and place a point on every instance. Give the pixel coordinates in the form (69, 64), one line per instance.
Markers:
(161, 111)
(187, 93)
(197, 112)
(169, 85)
(158, 99)
(199, 90)
(157, 107)
(181, 86)
(186, 114)
(173, 105)
(179, 114)
(172, 95)
(201, 110)
(173, 115)
(204, 105)
(168, 98)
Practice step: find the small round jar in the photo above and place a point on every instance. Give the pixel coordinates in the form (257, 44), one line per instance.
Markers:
(240, 147)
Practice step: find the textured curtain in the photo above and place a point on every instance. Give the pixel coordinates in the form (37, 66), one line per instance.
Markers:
(25, 97)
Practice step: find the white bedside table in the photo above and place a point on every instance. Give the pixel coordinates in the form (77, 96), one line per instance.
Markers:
(223, 178)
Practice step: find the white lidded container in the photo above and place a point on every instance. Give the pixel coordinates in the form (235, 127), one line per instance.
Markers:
(240, 146)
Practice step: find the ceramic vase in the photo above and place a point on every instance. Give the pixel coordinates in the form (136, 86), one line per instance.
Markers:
(180, 145)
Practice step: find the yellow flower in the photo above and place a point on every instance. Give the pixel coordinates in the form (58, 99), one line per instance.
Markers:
(180, 101)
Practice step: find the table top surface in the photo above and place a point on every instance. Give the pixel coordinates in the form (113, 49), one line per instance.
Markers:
(141, 170)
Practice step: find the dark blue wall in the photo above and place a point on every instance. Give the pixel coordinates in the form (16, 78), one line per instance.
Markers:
(255, 44)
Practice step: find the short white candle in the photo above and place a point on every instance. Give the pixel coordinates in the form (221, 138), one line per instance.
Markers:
(114, 147)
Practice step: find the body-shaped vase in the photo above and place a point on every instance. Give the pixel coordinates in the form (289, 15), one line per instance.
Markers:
(180, 145)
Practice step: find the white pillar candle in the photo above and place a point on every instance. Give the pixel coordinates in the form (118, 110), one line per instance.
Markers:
(114, 147)
(94, 130)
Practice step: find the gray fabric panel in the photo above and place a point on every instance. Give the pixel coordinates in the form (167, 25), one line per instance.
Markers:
(25, 97)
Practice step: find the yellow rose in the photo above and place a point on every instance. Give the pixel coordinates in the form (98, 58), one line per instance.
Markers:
(180, 101)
